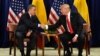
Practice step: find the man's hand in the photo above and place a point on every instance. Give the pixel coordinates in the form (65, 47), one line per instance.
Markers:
(75, 38)
(29, 33)
(43, 26)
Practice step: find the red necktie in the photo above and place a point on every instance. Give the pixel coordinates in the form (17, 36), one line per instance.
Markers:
(68, 23)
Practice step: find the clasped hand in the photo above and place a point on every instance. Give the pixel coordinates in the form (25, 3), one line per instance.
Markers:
(44, 26)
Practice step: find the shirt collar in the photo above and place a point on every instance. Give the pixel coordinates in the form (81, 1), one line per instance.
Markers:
(30, 15)
(68, 14)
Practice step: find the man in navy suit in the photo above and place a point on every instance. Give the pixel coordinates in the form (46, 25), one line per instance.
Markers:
(73, 26)
(30, 24)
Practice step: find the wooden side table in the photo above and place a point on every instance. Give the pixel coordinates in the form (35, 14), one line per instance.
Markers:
(48, 35)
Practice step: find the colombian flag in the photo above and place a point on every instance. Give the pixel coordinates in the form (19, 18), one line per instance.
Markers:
(82, 9)
(40, 11)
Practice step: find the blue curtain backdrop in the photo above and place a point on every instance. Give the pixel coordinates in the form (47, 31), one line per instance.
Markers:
(4, 7)
(0, 18)
(3, 21)
(94, 11)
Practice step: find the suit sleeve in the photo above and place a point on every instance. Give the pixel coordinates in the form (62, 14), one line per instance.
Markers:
(79, 24)
(32, 24)
(35, 22)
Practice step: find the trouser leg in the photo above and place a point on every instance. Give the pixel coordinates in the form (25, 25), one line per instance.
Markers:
(20, 37)
(31, 44)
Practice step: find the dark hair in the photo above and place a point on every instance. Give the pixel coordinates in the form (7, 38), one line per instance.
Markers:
(30, 6)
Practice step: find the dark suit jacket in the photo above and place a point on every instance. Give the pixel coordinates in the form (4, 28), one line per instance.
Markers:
(27, 23)
(76, 22)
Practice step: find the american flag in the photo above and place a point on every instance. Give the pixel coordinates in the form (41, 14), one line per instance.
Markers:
(16, 9)
(55, 13)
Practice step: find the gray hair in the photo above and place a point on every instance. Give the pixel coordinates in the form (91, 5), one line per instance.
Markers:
(65, 5)
(30, 6)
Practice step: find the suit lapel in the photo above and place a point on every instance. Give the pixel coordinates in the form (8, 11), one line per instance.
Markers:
(28, 17)
(71, 18)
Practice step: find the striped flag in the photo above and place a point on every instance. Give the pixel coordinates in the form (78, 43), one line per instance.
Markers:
(55, 13)
(16, 9)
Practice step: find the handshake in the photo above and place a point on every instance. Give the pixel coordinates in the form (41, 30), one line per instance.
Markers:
(43, 26)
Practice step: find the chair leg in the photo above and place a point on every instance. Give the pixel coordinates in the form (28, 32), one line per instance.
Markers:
(71, 45)
(10, 49)
(71, 50)
(87, 46)
(64, 52)
(14, 46)
(88, 49)
(11, 43)
(36, 47)
(14, 49)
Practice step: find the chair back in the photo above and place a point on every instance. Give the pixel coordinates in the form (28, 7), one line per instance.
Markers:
(12, 27)
(86, 27)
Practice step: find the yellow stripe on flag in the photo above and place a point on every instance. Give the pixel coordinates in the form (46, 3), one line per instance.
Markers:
(82, 8)
(40, 11)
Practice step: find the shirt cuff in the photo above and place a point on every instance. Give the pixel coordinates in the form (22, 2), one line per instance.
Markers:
(46, 27)
(76, 35)
(39, 25)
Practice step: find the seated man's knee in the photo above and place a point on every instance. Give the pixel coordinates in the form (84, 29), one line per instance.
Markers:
(19, 35)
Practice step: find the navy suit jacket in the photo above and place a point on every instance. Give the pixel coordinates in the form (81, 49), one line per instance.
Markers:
(27, 23)
(75, 20)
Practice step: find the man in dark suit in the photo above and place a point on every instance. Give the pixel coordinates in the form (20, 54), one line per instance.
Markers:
(30, 24)
(73, 26)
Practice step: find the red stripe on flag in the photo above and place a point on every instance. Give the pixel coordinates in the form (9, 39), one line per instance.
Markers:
(53, 16)
(13, 17)
(51, 22)
(9, 21)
